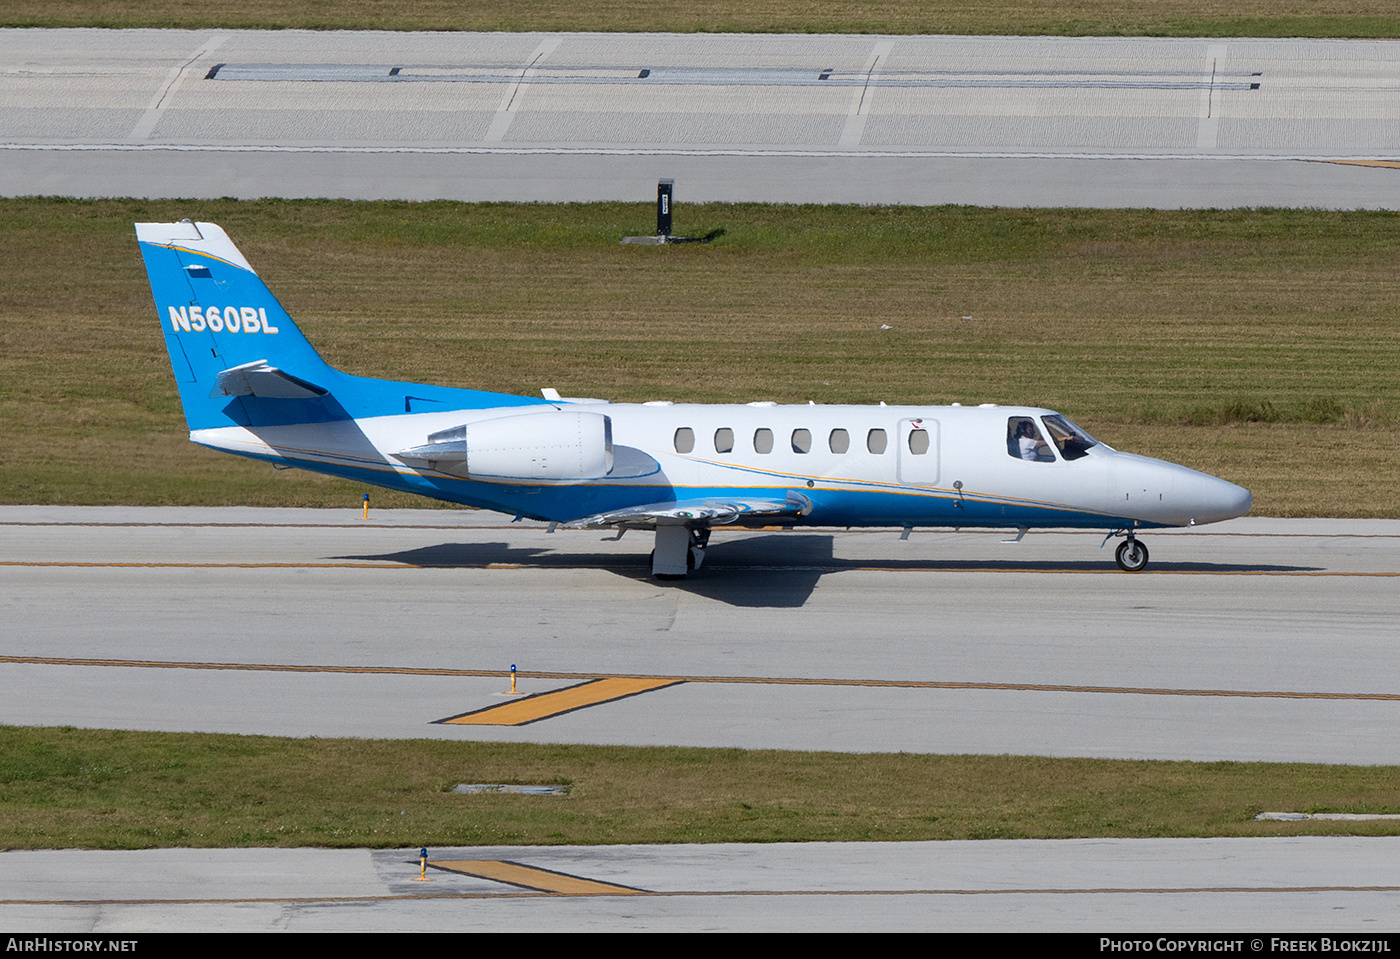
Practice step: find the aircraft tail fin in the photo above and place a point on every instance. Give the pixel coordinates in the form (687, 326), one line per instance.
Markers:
(237, 356)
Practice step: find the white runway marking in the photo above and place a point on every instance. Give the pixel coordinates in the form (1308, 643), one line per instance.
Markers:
(1208, 133)
(854, 129)
(1003, 121)
(505, 113)
(147, 124)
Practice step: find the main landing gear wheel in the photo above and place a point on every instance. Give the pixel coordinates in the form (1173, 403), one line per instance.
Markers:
(689, 565)
(1131, 556)
(678, 551)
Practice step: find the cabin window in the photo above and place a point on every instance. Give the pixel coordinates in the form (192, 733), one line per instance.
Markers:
(763, 441)
(918, 442)
(839, 441)
(802, 441)
(1024, 442)
(875, 441)
(1072, 441)
(685, 439)
(724, 440)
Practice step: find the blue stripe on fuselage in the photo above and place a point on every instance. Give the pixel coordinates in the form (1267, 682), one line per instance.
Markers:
(831, 507)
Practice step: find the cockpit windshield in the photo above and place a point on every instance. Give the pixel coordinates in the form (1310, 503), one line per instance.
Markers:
(1072, 441)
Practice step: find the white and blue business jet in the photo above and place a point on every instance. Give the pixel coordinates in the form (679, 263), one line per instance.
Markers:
(251, 384)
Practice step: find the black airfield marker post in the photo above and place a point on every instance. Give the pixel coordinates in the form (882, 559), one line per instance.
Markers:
(664, 189)
(665, 204)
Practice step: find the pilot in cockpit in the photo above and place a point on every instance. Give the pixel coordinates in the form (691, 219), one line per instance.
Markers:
(1028, 444)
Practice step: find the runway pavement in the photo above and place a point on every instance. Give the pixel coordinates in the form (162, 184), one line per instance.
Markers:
(1255, 640)
(1045, 121)
(1260, 639)
(1270, 886)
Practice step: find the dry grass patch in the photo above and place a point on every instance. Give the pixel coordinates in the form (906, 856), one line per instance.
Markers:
(1191, 18)
(1262, 346)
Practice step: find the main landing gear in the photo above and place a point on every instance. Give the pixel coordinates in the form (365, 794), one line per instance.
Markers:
(1131, 555)
(679, 549)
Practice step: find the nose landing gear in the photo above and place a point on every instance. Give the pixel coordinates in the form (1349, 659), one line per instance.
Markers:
(1131, 556)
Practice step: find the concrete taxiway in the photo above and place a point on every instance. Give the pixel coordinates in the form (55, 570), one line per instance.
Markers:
(1258, 639)
(1253, 640)
(1041, 121)
(1283, 885)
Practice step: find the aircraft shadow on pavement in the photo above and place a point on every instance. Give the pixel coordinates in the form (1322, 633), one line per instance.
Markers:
(775, 570)
(474, 554)
(791, 564)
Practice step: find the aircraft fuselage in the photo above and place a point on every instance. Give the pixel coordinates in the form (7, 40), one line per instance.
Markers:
(965, 477)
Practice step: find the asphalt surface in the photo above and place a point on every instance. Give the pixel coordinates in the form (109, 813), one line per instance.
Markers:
(1042, 121)
(1271, 887)
(1253, 640)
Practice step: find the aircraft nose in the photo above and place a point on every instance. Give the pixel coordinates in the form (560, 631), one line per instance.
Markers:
(1223, 500)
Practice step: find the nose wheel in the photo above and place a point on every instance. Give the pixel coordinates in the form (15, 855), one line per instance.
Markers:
(1131, 555)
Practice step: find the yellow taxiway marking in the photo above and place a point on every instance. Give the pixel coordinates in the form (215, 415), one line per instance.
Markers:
(534, 878)
(532, 709)
(1388, 164)
(657, 682)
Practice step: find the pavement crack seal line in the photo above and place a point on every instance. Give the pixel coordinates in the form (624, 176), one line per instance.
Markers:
(659, 682)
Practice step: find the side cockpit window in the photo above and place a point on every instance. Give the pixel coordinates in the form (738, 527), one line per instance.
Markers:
(1072, 441)
(1024, 442)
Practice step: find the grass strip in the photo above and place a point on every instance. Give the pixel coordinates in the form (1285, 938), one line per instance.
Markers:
(1257, 345)
(1170, 18)
(105, 789)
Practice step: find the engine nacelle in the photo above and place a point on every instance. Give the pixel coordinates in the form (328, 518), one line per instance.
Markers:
(557, 445)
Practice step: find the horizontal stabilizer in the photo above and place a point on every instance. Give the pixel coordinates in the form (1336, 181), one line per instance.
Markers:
(207, 239)
(552, 395)
(708, 512)
(259, 379)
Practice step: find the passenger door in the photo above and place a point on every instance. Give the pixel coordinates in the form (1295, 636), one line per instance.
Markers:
(917, 448)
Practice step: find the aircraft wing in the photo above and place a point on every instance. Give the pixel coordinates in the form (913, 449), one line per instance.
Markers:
(704, 511)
